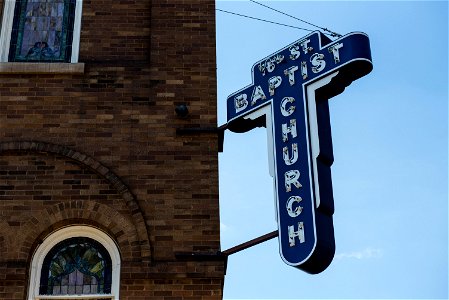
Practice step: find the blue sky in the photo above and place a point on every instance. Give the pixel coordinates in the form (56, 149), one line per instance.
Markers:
(390, 139)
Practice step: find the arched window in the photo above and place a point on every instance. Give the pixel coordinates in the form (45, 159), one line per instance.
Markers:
(76, 266)
(75, 262)
(40, 31)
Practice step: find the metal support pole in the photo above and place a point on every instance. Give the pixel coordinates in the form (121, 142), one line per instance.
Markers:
(251, 243)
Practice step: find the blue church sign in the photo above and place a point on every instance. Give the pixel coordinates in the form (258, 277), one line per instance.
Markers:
(289, 96)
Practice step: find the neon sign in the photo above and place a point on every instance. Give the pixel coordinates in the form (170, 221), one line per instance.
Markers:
(289, 96)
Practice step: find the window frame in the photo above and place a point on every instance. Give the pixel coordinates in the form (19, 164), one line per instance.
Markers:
(6, 30)
(70, 232)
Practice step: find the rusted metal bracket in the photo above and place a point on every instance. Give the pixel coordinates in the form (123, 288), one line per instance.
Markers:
(223, 255)
(251, 243)
(220, 255)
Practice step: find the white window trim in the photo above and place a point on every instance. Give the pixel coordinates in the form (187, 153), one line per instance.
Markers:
(6, 28)
(61, 235)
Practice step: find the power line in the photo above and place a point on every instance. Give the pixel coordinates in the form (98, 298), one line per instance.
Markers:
(334, 34)
(249, 17)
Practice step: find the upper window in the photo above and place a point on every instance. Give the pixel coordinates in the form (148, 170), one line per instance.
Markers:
(75, 262)
(40, 31)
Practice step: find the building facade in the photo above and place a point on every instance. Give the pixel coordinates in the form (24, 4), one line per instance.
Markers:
(105, 191)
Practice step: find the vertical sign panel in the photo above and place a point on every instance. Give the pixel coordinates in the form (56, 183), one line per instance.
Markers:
(289, 96)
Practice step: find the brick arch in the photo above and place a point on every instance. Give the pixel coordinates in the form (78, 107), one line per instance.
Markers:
(90, 213)
(141, 232)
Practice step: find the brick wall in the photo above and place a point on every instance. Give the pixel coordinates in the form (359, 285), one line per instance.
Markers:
(100, 148)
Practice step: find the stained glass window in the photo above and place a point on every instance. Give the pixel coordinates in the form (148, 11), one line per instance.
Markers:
(76, 266)
(42, 30)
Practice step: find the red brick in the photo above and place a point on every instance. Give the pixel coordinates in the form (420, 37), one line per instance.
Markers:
(101, 149)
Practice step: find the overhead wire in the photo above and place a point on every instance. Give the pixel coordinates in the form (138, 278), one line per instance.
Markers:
(329, 32)
(332, 33)
(258, 19)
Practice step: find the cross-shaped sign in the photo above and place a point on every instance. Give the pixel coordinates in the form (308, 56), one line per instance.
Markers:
(289, 96)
